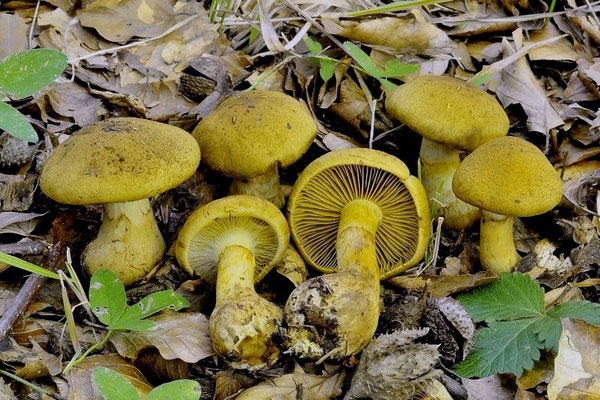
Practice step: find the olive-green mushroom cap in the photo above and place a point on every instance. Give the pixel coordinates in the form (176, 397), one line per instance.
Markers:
(119, 160)
(249, 132)
(449, 111)
(240, 220)
(508, 176)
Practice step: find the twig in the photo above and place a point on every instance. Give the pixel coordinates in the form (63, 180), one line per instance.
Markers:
(372, 130)
(20, 304)
(23, 248)
(35, 14)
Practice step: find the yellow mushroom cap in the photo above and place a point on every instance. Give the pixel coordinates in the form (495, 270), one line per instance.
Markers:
(508, 176)
(119, 160)
(449, 111)
(335, 179)
(241, 220)
(249, 132)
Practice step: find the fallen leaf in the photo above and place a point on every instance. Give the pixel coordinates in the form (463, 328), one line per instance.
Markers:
(30, 363)
(81, 379)
(490, 388)
(13, 34)
(394, 367)
(229, 383)
(562, 50)
(16, 191)
(27, 329)
(175, 335)
(156, 368)
(6, 392)
(18, 223)
(297, 385)
(540, 373)
(577, 365)
(484, 51)
(441, 286)
(73, 101)
(574, 154)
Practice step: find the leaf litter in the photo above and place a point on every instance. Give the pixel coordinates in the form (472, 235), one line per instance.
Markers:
(174, 61)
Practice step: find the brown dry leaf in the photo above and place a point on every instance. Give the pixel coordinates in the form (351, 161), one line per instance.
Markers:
(574, 154)
(540, 373)
(70, 100)
(30, 363)
(577, 365)
(29, 329)
(408, 34)
(13, 34)
(589, 74)
(441, 286)
(576, 91)
(229, 383)
(491, 388)
(121, 20)
(517, 84)
(6, 392)
(393, 367)
(157, 368)
(561, 295)
(18, 223)
(562, 50)
(484, 51)
(297, 385)
(471, 19)
(81, 380)
(586, 22)
(352, 105)
(16, 191)
(546, 259)
(48, 297)
(176, 335)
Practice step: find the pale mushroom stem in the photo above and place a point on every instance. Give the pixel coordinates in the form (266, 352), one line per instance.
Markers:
(438, 165)
(242, 324)
(129, 242)
(266, 187)
(235, 273)
(496, 246)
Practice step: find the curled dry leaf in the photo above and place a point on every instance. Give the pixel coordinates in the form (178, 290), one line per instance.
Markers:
(175, 335)
(81, 377)
(229, 383)
(297, 385)
(444, 285)
(157, 368)
(30, 363)
(562, 50)
(393, 367)
(577, 365)
(6, 392)
(410, 34)
(28, 328)
(16, 191)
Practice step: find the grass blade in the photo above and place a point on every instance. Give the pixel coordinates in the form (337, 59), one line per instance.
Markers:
(27, 266)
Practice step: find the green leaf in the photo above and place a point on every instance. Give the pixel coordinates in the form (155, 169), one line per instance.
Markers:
(183, 389)
(15, 123)
(482, 77)
(107, 296)
(149, 305)
(24, 73)
(313, 46)
(393, 68)
(511, 296)
(548, 331)
(327, 69)
(584, 310)
(113, 385)
(26, 266)
(363, 60)
(507, 346)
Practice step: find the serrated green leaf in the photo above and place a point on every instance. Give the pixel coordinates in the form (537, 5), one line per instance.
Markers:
(511, 296)
(313, 46)
(548, 331)
(584, 310)
(506, 346)
(113, 386)
(327, 69)
(107, 296)
(183, 389)
(393, 68)
(133, 316)
(24, 73)
(15, 123)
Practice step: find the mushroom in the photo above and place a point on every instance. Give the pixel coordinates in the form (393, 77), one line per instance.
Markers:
(235, 241)
(451, 115)
(506, 177)
(121, 162)
(359, 213)
(250, 135)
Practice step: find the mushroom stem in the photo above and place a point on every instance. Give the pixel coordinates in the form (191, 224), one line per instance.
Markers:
(264, 186)
(439, 163)
(129, 242)
(243, 324)
(355, 245)
(496, 246)
(235, 273)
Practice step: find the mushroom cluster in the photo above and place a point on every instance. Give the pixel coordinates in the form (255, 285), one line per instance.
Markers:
(356, 215)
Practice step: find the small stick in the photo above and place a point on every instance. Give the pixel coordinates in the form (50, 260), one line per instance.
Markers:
(24, 298)
(23, 248)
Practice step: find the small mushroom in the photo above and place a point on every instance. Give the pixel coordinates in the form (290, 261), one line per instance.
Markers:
(359, 213)
(451, 115)
(235, 241)
(252, 134)
(506, 177)
(121, 162)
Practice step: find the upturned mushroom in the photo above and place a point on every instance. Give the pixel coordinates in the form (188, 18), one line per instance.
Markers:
(506, 178)
(358, 213)
(235, 241)
(252, 134)
(121, 163)
(451, 115)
